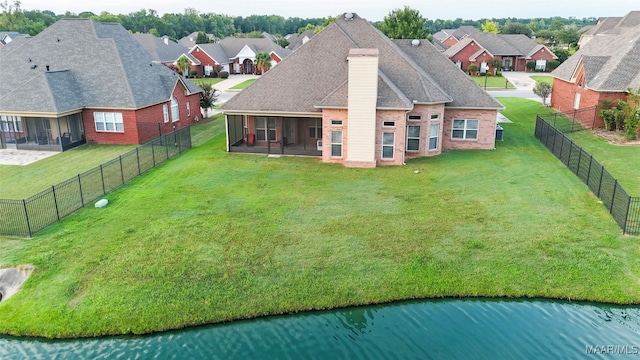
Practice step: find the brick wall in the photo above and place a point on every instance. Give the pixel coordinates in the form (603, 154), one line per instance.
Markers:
(398, 117)
(327, 116)
(129, 136)
(486, 130)
(464, 54)
(204, 60)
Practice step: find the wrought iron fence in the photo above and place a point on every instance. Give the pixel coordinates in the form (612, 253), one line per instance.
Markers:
(28, 216)
(624, 209)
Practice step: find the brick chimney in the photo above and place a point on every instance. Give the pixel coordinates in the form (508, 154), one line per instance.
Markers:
(363, 97)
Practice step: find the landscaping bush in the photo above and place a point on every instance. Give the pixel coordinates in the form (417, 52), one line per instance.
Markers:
(224, 74)
(193, 73)
(531, 65)
(472, 69)
(498, 73)
(551, 65)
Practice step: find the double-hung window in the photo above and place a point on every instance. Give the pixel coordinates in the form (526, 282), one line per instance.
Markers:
(433, 136)
(336, 143)
(175, 111)
(266, 126)
(165, 112)
(413, 138)
(388, 145)
(465, 129)
(108, 121)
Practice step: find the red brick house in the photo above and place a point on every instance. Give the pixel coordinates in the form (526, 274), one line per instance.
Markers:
(235, 55)
(603, 69)
(513, 50)
(385, 102)
(117, 94)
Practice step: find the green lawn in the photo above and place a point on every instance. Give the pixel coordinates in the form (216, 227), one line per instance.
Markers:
(211, 81)
(545, 78)
(211, 236)
(493, 82)
(19, 182)
(242, 85)
(623, 162)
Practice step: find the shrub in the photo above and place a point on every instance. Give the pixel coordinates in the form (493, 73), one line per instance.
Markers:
(531, 65)
(553, 64)
(498, 73)
(224, 74)
(193, 73)
(489, 73)
(631, 126)
(472, 69)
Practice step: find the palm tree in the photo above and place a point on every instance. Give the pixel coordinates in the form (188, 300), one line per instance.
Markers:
(207, 98)
(184, 65)
(263, 61)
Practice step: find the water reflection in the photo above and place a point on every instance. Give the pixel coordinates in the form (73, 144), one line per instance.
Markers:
(452, 329)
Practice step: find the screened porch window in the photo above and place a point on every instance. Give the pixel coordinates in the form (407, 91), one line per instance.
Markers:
(264, 125)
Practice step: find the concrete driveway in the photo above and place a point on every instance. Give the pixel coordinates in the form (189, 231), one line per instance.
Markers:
(223, 86)
(524, 86)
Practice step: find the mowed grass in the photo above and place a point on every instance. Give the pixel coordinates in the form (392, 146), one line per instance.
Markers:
(546, 78)
(202, 81)
(19, 182)
(622, 161)
(211, 236)
(493, 82)
(241, 86)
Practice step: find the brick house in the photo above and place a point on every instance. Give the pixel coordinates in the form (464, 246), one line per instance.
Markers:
(83, 81)
(235, 55)
(513, 50)
(603, 69)
(353, 96)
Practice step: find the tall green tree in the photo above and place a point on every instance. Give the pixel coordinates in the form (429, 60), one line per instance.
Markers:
(202, 38)
(516, 28)
(404, 23)
(208, 97)
(490, 26)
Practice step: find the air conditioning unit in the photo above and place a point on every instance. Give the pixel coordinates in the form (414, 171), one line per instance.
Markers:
(319, 145)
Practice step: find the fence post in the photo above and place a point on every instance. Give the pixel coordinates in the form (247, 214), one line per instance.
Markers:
(561, 147)
(589, 171)
(138, 159)
(153, 152)
(80, 186)
(121, 171)
(102, 177)
(600, 182)
(613, 197)
(55, 202)
(26, 215)
(579, 159)
(166, 145)
(626, 218)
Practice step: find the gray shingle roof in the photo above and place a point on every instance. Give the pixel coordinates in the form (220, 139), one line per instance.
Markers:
(297, 40)
(160, 50)
(226, 49)
(316, 75)
(91, 65)
(611, 63)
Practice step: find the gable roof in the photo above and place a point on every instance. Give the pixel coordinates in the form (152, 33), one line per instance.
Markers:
(227, 49)
(295, 41)
(189, 41)
(53, 74)
(316, 75)
(161, 49)
(611, 63)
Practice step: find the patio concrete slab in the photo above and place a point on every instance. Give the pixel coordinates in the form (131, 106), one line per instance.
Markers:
(23, 157)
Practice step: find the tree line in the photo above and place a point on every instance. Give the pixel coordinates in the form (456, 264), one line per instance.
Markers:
(178, 25)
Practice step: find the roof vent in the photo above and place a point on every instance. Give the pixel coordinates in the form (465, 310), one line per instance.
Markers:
(415, 42)
(348, 16)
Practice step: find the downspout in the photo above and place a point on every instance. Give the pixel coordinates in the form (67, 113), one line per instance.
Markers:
(226, 125)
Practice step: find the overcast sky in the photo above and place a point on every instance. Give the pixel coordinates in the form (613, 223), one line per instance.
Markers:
(372, 10)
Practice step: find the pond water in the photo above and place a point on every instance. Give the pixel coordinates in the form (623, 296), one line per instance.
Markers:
(440, 329)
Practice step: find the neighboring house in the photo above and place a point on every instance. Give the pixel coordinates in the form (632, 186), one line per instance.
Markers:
(450, 37)
(611, 26)
(235, 55)
(295, 40)
(162, 49)
(353, 96)
(603, 69)
(513, 50)
(189, 41)
(8, 36)
(83, 81)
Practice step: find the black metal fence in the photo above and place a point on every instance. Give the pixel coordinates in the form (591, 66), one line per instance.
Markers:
(573, 120)
(28, 216)
(624, 209)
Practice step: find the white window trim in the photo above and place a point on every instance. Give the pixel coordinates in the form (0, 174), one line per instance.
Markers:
(165, 112)
(336, 143)
(411, 137)
(576, 101)
(188, 108)
(338, 122)
(465, 129)
(436, 118)
(432, 136)
(389, 126)
(393, 146)
(175, 110)
(416, 117)
(103, 117)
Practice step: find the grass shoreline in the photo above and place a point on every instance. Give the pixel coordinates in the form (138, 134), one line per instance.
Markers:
(211, 237)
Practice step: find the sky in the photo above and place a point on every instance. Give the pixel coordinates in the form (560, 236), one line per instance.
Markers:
(372, 10)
